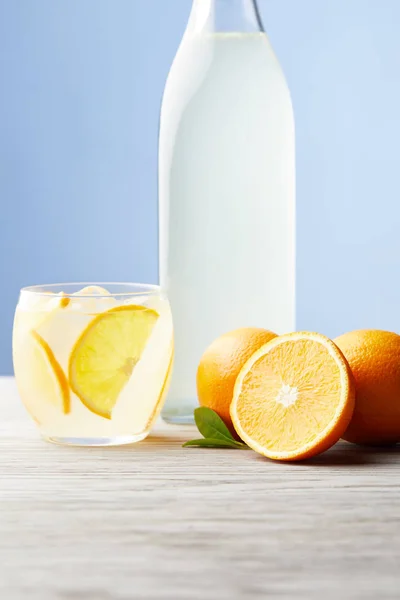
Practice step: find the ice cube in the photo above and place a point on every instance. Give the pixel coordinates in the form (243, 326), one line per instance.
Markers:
(33, 301)
(92, 290)
(98, 300)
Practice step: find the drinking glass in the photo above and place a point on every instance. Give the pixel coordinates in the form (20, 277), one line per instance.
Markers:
(93, 361)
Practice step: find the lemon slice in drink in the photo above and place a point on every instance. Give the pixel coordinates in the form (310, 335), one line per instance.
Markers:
(105, 355)
(42, 383)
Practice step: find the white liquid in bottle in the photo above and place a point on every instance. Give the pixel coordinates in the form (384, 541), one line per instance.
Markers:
(227, 197)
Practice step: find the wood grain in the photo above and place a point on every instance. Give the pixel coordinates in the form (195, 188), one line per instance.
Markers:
(156, 521)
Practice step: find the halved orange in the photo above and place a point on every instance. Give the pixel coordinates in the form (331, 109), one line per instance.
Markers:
(294, 397)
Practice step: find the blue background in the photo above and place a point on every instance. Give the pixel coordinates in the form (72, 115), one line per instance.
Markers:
(80, 88)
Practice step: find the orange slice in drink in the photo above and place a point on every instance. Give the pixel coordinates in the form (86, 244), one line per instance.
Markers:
(294, 397)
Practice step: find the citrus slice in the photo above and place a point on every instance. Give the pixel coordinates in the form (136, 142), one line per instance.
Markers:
(41, 381)
(163, 393)
(294, 397)
(105, 355)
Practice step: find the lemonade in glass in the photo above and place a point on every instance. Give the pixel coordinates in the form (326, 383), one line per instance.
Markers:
(93, 361)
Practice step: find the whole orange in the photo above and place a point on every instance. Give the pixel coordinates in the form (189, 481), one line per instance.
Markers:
(220, 365)
(374, 358)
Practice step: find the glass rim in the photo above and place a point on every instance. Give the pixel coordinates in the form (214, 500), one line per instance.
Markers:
(133, 289)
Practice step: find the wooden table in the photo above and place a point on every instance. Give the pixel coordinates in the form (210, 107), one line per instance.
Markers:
(156, 521)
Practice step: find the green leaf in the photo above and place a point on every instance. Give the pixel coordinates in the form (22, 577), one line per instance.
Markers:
(211, 425)
(216, 443)
(215, 432)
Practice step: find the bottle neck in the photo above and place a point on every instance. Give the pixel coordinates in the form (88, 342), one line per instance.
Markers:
(224, 16)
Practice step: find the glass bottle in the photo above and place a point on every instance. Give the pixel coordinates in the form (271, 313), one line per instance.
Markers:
(226, 188)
